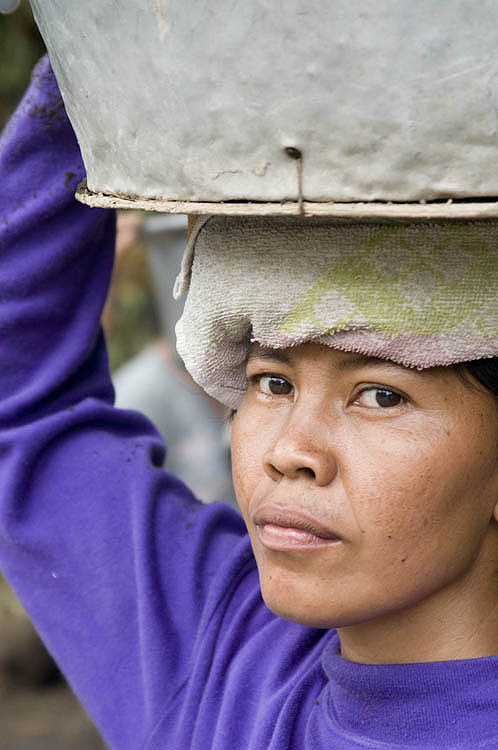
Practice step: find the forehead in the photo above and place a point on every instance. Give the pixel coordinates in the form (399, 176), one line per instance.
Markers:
(336, 358)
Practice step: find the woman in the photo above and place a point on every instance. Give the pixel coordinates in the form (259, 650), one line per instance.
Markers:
(369, 488)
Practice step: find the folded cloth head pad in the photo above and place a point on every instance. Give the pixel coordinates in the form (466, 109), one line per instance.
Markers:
(418, 293)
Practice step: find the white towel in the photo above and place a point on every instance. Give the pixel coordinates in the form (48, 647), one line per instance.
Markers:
(418, 293)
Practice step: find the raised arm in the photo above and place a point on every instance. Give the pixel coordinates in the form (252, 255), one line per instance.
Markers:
(109, 554)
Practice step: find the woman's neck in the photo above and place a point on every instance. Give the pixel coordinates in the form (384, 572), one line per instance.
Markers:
(458, 623)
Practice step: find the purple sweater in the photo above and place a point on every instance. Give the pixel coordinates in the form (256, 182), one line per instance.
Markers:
(149, 600)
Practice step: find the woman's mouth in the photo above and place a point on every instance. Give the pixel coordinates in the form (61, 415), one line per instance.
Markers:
(289, 529)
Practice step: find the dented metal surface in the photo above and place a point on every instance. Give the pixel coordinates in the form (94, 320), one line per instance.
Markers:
(197, 101)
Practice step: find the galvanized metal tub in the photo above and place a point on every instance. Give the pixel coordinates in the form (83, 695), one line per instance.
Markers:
(178, 103)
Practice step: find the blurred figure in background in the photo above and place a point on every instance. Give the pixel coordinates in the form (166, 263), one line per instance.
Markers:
(155, 381)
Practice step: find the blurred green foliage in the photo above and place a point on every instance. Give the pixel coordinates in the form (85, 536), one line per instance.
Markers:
(20, 47)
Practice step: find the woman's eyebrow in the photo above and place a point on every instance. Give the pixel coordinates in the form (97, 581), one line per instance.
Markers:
(349, 362)
(362, 360)
(275, 354)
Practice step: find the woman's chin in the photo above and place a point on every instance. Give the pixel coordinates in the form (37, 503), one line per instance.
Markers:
(294, 602)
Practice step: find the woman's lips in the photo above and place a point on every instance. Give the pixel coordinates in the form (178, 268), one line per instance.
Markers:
(281, 528)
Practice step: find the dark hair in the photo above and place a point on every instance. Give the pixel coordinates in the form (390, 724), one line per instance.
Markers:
(486, 372)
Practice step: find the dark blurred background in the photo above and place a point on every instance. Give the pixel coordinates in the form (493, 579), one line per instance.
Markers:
(20, 47)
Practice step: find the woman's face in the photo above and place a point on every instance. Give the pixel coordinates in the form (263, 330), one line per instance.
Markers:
(367, 488)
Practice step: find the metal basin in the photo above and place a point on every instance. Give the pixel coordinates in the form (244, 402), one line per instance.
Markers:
(208, 101)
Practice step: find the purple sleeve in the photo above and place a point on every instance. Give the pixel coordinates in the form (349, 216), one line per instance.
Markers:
(110, 555)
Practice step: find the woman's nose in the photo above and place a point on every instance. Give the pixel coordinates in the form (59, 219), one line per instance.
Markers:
(301, 450)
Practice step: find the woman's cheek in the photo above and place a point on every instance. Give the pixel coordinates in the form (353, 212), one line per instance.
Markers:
(247, 463)
(390, 485)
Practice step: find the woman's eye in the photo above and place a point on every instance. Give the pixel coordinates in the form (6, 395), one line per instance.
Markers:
(383, 398)
(273, 385)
